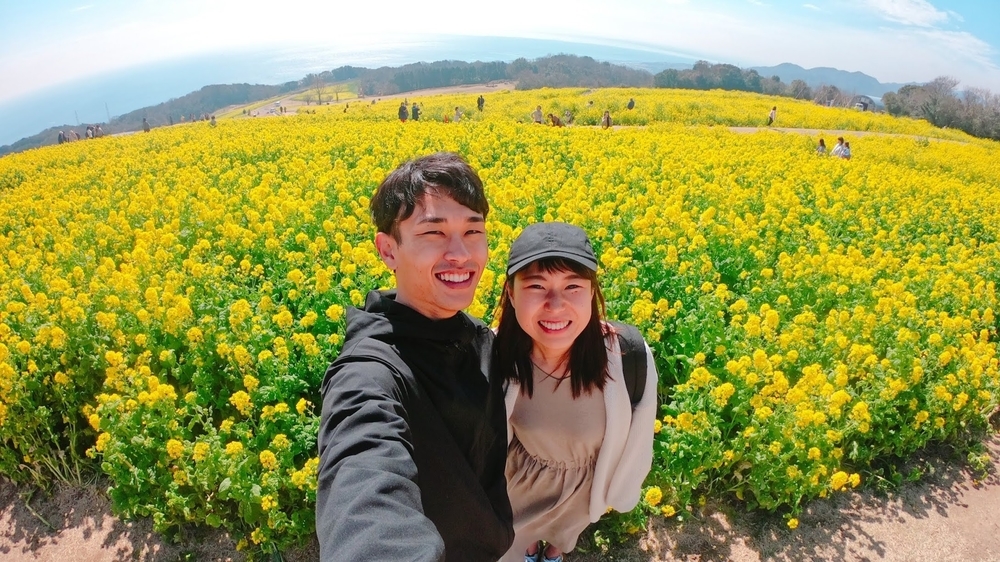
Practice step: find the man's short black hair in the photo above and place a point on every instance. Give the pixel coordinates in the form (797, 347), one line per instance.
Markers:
(397, 196)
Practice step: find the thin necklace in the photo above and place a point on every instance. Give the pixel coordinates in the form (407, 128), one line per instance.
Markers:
(548, 374)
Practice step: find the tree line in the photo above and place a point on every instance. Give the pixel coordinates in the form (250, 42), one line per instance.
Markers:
(975, 111)
(707, 76)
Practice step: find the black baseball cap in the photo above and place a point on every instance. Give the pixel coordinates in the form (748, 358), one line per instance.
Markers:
(551, 240)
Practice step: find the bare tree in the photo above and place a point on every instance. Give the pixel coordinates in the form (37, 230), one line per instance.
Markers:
(321, 90)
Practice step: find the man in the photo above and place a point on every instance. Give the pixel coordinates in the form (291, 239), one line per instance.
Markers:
(412, 439)
(416, 111)
(536, 115)
(403, 113)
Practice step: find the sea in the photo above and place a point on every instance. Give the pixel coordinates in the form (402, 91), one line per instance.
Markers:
(97, 99)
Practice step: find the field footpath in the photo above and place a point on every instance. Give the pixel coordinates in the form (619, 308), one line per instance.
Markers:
(946, 516)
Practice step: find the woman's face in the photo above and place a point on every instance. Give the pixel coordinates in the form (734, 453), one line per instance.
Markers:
(551, 307)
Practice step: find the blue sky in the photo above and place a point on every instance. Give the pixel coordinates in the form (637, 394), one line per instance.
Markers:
(47, 42)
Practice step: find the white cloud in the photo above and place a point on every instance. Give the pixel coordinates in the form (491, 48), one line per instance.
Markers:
(756, 2)
(909, 12)
(81, 8)
(812, 7)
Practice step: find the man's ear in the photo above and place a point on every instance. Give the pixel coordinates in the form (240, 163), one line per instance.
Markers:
(387, 247)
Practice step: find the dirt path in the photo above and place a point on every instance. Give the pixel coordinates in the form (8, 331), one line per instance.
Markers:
(945, 517)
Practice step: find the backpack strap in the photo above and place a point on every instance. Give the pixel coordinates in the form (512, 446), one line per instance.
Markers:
(633, 348)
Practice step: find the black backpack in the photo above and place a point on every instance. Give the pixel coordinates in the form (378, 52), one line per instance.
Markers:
(634, 366)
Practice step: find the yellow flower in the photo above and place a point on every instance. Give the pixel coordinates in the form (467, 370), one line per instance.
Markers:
(250, 382)
(653, 496)
(838, 479)
(234, 448)
(95, 421)
(335, 312)
(793, 523)
(200, 452)
(657, 426)
(302, 406)
(175, 448)
(268, 460)
(242, 402)
(668, 511)
(267, 503)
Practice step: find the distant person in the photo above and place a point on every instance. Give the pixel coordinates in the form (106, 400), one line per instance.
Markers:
(772, 116)
(76, 135)
(567, 117)
(536, 115)
(480, 102)
(556, 122)
(846, 152)
(415, 111)
(821, 149)
(89, 133)
(403, 113)
(62, 137)
(631, 104)
(145, 125)
(212, 121)
(606, 120)
(99, 132)
(839, 148)
(458, 114)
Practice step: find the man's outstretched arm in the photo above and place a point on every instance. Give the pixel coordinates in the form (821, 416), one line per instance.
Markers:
(367, 502)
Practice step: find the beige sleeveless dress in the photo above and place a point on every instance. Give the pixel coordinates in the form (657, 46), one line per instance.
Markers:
(550, 463)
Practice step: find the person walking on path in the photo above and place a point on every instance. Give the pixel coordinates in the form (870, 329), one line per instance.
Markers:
(772, 116)
(412, 437)
(606, 120)
(536, 115)
(580, 441)
(403, 113)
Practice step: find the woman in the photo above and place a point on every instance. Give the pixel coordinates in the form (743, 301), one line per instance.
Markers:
(821, 149)
(606, 120)
(576, 444)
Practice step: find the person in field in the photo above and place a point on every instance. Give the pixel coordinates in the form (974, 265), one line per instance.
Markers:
(845, 153)
(536, 115)
(606, 120)
(772, 116)
(556, 122)
(821, 148)
(403, 112)
(412, 438)
(838, 149)
(580, 428)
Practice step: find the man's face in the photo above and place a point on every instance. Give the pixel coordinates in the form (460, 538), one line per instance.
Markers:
(439, 256)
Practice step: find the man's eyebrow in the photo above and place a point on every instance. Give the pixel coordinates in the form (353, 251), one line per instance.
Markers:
(439, 220)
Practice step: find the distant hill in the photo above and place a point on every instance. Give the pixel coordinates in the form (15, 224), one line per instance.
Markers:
(552, 71)
(204, 101)
(856, 82)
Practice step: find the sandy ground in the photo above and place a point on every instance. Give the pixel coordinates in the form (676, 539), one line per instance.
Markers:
(947, 516)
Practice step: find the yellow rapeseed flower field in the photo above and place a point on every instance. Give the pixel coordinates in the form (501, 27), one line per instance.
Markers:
(170, 301)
